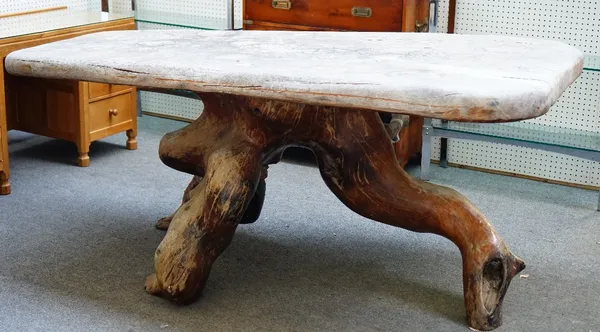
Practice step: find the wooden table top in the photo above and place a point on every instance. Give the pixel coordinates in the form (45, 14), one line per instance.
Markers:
(485, 78)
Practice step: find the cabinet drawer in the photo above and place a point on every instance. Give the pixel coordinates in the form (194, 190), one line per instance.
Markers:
(359, 15)
(96, 90)
(110, 112)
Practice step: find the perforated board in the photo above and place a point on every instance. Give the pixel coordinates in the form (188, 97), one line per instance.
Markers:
(219, 9)
(238, 14)
(171, 106)
(119, 6)
(576, 22)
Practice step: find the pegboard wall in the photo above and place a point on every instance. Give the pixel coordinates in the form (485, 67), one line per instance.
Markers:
(174, 106)
(119, 6)
(214, 9)
(575, 22)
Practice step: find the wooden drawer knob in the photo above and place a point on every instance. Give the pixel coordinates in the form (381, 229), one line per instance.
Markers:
(113, 111)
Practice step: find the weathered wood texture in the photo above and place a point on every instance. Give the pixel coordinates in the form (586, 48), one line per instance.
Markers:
(227, 149)
(453, 77)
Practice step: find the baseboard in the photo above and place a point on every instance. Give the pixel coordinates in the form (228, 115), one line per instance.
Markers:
(522, 176)
(166, 116)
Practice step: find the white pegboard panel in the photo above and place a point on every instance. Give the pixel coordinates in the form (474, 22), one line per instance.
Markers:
(436, 145)
(238, 14)
(595, 173)
(578, 107)
(119, 6)
(576, 22)
(520, 160)
(443, 8)
(219, 9)
(172, 106)
(11, 6)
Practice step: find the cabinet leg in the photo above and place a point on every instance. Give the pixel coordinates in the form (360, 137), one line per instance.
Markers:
(131, 141)
(4, 184)
(84, 158)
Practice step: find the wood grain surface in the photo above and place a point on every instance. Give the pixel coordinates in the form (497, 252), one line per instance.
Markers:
(464, 78)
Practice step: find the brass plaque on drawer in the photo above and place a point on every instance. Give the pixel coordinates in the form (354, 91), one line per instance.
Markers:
(281, 4)
(362, 11)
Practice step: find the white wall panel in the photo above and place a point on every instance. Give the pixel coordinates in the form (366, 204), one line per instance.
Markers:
(119, 6)
(218, 9)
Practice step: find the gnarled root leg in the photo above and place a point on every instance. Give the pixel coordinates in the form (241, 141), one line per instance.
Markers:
(359, 166)
(251, 214)
(204, 226)
(164, 222)
(183, 150)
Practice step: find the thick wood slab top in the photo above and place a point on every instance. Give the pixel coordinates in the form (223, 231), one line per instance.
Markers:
(454, 77)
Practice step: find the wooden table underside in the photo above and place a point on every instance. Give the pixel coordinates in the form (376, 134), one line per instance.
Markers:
(228, 150)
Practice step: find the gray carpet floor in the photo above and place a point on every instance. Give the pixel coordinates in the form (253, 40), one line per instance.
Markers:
(77, 243)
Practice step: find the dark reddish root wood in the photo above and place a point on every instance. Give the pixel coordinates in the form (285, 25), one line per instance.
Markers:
(357, 162)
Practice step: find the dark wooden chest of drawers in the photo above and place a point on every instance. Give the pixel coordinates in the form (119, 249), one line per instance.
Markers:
(347, 15)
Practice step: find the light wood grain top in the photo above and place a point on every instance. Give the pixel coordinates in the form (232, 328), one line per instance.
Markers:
(454, 77)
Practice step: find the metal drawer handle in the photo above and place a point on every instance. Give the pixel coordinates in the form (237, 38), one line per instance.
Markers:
(362, 11)
(113, 111)
(281, 4)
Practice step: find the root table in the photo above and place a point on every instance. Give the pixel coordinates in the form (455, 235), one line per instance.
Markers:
(265, 91)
